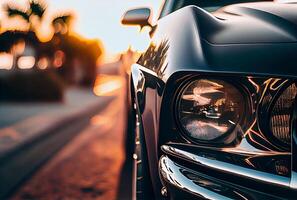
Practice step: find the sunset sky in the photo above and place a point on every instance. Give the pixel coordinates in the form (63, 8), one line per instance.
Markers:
(99, 19)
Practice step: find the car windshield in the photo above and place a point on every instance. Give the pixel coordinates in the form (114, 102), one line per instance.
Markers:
(209, 5)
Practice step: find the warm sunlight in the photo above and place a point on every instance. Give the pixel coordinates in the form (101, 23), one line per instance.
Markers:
(106, 85)
(98, 20)
(130, 99)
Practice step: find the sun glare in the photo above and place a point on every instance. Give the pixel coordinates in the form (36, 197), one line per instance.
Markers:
(106, 85)
(92, 20)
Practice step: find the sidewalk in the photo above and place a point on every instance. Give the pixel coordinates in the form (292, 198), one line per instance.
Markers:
(88, 167)
(31, 133)
(21, 122)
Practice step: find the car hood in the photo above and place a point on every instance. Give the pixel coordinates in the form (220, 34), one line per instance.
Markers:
(262, 22)
(253, 39)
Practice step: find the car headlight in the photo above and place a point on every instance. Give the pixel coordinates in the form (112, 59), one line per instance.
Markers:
(209, 109)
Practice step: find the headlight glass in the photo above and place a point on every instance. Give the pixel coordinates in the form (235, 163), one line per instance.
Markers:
(209, 109)
(281, 115)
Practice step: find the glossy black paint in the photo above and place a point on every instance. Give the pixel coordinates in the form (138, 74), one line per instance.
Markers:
(202, 41)
(249, 44)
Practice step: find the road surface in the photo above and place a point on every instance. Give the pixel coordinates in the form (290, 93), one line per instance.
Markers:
(90, 166)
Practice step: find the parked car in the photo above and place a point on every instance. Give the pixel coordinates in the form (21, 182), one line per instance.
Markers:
(213, 101)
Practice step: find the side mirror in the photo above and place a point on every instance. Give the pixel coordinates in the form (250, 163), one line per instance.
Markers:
(137, 17)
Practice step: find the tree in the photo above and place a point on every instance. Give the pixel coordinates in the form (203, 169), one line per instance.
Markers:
(13, 11)
(36, 9)
(61, 23)
(79, 55)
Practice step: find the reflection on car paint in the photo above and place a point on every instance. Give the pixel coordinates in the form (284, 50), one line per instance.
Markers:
(155, 58)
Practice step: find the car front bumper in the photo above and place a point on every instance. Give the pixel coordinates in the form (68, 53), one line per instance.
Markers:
(189, 176)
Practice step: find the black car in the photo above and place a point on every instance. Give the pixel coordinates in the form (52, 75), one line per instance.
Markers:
(213, 101)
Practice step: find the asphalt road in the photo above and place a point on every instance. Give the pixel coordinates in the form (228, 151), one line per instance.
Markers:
(92, 165)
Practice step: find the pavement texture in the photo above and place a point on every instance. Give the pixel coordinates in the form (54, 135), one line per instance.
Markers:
(74, 99)
(88, 167)
(21, 123)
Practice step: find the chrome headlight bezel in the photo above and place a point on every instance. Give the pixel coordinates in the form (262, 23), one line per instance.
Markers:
(252, 147)
(232, 136)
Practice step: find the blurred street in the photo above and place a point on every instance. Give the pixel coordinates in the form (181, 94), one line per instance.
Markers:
(63, 98)
(88, 167)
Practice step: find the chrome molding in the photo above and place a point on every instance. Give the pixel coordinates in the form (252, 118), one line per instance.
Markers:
(227, 168)
(294, 148)
(172, 174)
(294, 180)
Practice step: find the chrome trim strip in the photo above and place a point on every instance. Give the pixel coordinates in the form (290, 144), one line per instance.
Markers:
(172, 174)
(227, 167)
(149, 71)
(293, 183)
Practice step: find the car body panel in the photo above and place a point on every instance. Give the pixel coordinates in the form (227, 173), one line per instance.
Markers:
(192, 41)
(187, 48)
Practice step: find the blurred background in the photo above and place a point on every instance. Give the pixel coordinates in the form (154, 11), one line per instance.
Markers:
(63, 83)
(70, 38)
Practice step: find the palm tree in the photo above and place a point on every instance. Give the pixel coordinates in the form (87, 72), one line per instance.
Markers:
(13, 11)
(61, 23)
(36, 9)
(32, 16)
